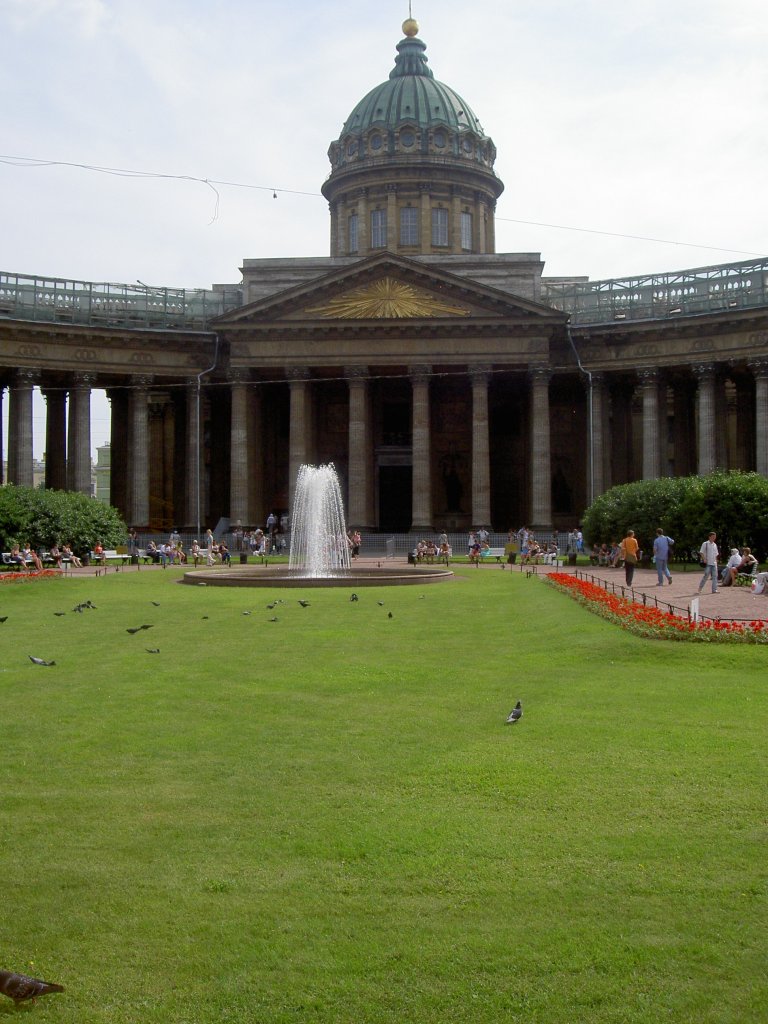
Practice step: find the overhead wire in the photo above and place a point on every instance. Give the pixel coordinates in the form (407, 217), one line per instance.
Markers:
(33, 162)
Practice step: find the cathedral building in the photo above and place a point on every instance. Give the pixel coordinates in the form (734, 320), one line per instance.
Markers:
(452, 386)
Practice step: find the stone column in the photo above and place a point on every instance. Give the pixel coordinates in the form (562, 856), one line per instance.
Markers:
(363, 227)
(256, 489)
(455, 220)
(480, 225)
(425, 218)
(238, 465)
(194, 457)
(118, 436)
(359, 498)
(759, 368)
(139, 453)
(649, 389)
(79, 434)
(705, 374)
(596, 484)
(20, 467)
(333, 209)
(541, 470)
(481, 458)
(298, 380)
(393, 226)
(55, 439)
(422, 467)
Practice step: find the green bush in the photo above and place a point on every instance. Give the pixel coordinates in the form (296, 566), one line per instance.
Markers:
(734, 504)
(47, 517)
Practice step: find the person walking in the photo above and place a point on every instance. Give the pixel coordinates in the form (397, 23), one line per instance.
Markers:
(708, 555)
(661, 546)
(629, 548)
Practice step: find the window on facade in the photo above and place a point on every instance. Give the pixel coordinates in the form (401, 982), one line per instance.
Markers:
(353, 233)
(439, 226)
(378, 229)
(409, 226)
(466, 231)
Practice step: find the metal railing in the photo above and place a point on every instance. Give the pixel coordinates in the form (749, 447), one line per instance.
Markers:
(105, 304)
(725, 287)
(729, 286)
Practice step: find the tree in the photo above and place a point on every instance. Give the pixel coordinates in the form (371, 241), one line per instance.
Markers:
(734, 504)
(46, 517)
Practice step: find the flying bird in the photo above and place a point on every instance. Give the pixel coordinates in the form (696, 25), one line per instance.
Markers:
(515, 714)
(40, 661)
(20, 987)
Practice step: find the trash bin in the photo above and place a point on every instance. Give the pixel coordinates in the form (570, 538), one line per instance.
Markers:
(243, 558)
(572, 559)
(134, 559)
(511, 558)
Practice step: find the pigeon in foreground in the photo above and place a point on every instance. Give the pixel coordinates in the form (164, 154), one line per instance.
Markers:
(19, 987)
(136, 629)
(155, 603)
(59, 614)
(353, 597)
(273, 619)
(304, 604)
(3, 618)
(152, 650)
(380, 604)
(39, 661)
(390, 615)
(515, 714)
(145, 627)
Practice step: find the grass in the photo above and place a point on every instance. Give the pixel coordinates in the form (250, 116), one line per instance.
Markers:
(325, 819)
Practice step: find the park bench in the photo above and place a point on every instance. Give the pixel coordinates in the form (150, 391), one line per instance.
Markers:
(112, 556)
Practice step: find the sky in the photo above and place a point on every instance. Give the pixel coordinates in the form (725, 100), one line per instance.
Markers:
(641, 125)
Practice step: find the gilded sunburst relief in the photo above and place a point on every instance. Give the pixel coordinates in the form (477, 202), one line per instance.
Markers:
(387, 298)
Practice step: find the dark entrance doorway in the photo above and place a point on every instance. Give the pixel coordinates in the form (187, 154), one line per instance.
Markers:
(395, 493)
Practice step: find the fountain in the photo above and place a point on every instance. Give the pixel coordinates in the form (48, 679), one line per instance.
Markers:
(319, 553)
(319, 545)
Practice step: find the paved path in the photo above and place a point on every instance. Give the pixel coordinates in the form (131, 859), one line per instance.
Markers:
(728, 603)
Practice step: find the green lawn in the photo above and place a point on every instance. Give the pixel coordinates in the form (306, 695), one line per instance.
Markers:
(325, 818)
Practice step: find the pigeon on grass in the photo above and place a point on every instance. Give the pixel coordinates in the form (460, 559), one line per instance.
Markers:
(40, 661)
(20, 987)
(304, 604)
(515, 714)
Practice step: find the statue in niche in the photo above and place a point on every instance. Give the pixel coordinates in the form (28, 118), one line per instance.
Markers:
(454, 489)
(562, 494)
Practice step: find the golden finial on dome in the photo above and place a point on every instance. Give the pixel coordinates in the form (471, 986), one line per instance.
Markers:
(410, 27)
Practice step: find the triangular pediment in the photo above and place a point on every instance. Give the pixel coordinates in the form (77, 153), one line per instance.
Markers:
(387, 287)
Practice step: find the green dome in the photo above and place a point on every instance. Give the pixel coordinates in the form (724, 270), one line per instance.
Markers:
(412, 95)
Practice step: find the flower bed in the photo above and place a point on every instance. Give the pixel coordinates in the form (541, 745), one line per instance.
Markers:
(643, 620)
(24, 577)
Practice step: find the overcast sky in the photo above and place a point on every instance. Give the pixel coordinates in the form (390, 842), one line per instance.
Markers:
(644, 119)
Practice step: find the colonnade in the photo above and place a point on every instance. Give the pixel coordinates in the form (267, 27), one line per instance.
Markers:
(68, 435)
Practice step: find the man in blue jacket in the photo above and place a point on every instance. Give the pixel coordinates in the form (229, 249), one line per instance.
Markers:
(661, 547)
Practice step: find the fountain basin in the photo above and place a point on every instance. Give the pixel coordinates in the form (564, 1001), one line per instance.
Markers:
(279, 576)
